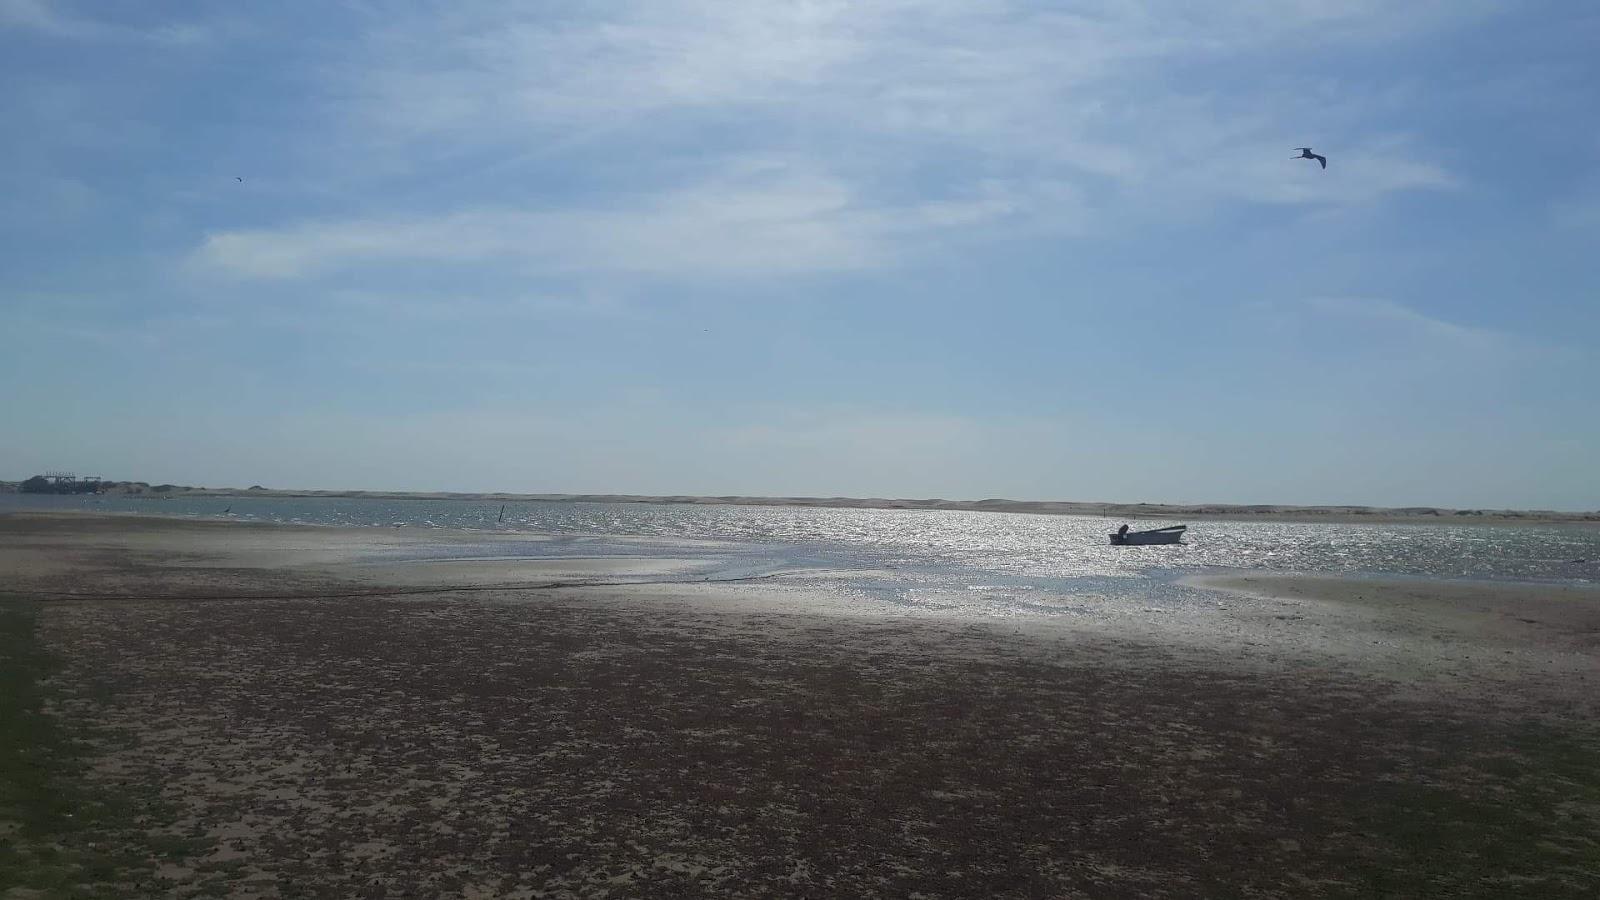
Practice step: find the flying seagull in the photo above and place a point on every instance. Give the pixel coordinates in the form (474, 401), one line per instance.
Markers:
(1305, 153)
(237, 178)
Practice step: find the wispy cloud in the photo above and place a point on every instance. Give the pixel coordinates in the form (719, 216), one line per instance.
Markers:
(899, 126)
(455, 305)
(42, 16)
(1409, 323)
(53, 19)
(953, 66)
(766, 219)
(1090, 90)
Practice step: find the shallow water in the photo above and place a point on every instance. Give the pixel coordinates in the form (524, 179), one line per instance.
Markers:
(935, 560)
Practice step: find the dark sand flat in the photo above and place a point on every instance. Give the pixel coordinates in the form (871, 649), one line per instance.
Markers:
(339, 741)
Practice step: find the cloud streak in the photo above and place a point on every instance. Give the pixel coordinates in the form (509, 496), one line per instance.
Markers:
(1396, 318)
(1092, 89)
(771, 219)
(50, 19)
(878, 130)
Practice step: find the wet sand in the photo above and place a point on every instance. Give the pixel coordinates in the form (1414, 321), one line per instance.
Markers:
(358, 734)
(1529, 649)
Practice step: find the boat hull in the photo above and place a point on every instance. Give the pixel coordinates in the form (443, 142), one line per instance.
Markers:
(1144, 538)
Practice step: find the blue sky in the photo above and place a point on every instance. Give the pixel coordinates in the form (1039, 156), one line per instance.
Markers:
(952, 248)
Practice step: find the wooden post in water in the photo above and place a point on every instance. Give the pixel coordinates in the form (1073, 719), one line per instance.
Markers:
(502, 514)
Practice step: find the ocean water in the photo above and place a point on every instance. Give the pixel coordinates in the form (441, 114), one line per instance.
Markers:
(979, 561)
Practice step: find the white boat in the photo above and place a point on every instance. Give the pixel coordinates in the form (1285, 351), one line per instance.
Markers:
(1169, 535)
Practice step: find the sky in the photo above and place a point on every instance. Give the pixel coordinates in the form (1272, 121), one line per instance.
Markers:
(949, 248)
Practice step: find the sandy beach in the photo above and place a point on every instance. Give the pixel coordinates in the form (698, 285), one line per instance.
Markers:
(253, 715)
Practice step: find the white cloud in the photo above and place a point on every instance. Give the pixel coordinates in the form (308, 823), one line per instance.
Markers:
(932, 65)
(1088, 87)
(901, 126)
(766, 219)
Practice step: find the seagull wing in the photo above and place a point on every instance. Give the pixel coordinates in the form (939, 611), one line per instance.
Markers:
(1321, 159)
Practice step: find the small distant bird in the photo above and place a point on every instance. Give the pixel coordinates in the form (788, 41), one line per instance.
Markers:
(1305, 153)
(237, 178)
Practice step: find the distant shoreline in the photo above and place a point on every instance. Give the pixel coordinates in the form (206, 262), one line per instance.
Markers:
(1133, 511)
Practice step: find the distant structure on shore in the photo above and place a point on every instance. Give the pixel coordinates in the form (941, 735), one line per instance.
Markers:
(61, 483)
(70, 483)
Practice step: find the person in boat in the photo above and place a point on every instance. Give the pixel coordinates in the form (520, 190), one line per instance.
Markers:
(1123, 531)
